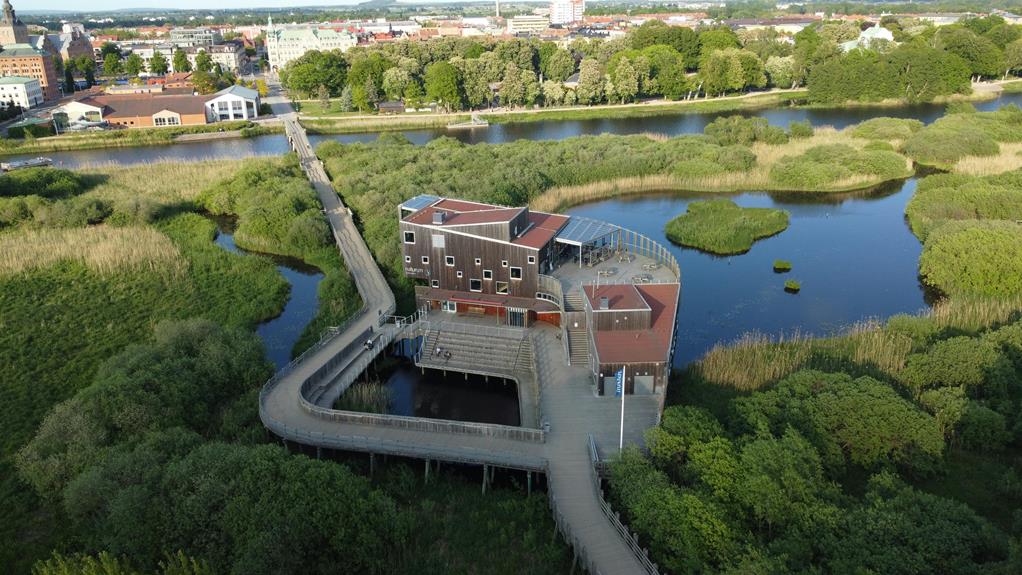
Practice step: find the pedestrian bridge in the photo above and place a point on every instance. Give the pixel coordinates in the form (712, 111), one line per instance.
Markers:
(579, 428)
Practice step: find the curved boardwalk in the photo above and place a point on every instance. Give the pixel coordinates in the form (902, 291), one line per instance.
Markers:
(567, 401)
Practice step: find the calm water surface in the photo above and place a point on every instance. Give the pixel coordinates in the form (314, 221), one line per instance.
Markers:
(280, 334)
(854, 256)
(452, 397)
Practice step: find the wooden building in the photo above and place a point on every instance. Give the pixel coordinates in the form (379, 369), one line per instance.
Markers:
(523, 266)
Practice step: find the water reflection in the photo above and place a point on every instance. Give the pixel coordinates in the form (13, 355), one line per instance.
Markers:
(853, 254)
(279, 334)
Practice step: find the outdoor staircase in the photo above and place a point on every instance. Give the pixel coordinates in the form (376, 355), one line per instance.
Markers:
(525, 360)
(573, 301)
(498, 355)
(578, 347)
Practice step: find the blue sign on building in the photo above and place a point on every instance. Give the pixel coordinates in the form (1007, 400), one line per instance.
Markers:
(619, 382)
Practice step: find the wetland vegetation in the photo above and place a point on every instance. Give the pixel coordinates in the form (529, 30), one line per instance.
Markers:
(723, 228)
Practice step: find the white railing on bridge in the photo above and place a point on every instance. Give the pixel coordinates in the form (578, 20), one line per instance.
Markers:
(632, 539)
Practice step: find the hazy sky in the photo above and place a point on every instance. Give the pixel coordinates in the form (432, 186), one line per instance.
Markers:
(96, 5)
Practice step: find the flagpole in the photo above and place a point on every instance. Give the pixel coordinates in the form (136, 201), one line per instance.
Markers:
(624, 389)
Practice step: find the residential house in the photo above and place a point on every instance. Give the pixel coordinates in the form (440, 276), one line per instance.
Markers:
(234, 103)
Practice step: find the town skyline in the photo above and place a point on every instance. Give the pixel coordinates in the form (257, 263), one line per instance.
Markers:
(122, 5)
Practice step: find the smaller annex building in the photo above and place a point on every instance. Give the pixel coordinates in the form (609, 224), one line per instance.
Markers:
(612, 292)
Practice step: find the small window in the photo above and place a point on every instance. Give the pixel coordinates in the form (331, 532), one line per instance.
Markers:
(425, 260)
(408, 259)
(487, 274)
(475, 285)
(516, 273)
(503, 263)
(409, 237)
(479, 262)
(460, 275)
(502, 288)
(435, 283)
(449, 261)
(532, 259)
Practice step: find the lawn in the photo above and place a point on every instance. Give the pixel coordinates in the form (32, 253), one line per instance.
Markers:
(721, 227)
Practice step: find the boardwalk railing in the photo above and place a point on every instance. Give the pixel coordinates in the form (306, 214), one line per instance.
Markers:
(428, 425)
(581, 553)
(632, 539)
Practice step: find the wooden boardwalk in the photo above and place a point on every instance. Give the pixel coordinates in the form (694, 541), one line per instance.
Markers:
(567, 403)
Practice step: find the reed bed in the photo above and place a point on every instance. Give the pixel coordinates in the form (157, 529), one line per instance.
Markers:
(102, 249)
(975, 314)
(168, 183)
(1009, 158)
(365, 397)
(755, 360)
(755, 179)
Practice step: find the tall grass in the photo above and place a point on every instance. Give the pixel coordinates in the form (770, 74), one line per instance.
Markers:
(755, 360)
(1009, 158)
(102, 249)
(365, 397)
(975, 314)
(126, 138)
(171, 182)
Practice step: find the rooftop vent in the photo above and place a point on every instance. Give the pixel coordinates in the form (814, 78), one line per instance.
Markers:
(604, 303)
(438, 218)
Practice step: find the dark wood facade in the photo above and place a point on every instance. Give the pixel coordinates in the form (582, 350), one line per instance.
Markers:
(620, 320)
(497, 259)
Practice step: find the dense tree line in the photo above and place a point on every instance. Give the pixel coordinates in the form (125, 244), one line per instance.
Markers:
(656, 60)
(828, 471)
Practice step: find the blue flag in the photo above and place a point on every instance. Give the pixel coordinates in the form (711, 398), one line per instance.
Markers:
(619, 382)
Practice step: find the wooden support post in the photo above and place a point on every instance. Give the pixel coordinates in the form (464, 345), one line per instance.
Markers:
(372, 463)
(529, 475)
(427, 471)
(485, 471)
(319, 452)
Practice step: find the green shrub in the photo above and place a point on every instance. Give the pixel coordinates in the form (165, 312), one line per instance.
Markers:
(982, 429)
(781, 266)
(960, 108)
(722, 227)
(974, 258)
(43, 182)
(732, 130)
(792, 286)
(803, 129)
(955, 136)
(974, 364)
(878, 146)
(887, 129)
(829, 165)
(943, 197)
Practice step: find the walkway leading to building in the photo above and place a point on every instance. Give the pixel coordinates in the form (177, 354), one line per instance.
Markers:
(295, 403)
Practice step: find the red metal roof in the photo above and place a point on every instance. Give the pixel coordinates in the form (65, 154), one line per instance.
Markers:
(643, 346)
(497, 216)
(464, 205)
(544, 228)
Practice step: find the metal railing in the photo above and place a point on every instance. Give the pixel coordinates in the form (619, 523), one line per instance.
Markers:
(630, 538)
(637, 243)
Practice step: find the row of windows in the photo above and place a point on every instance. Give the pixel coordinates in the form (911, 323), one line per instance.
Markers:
(516, 272)
(449, 260)
(476, 285)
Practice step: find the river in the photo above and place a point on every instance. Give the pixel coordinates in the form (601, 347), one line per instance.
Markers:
(668, 124)
(279, 334)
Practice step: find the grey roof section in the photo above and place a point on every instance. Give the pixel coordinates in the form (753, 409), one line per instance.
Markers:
(580, 231)
(240, 91)
(418, 202)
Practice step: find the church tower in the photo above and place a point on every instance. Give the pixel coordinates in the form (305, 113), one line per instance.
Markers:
(12, 31)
